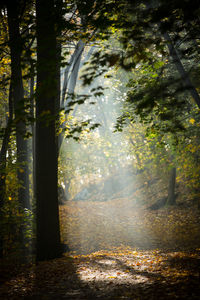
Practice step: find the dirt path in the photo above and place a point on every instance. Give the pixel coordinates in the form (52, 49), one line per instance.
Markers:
(88, 226)
(144, 269)
(123, 273)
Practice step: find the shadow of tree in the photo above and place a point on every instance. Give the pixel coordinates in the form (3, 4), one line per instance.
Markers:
(185, 263)
(63, 279)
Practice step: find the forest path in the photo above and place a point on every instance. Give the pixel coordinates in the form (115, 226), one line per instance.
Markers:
(122, 273)
(88, 226)
(120, 250)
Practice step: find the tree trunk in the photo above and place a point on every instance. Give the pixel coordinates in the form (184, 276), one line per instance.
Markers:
(73, 66)
(47, 216)
(171, 200)
(32, 113)
(15, 44)
(67, 186)
(3, 152)
(75, 69)
(184, 75)
(70, 80)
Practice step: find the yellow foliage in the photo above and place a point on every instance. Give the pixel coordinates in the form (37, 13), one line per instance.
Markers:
(192, 121)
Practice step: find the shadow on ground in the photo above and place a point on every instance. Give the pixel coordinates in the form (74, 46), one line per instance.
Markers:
(117, 274)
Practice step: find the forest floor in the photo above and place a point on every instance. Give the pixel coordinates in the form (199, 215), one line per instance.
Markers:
(119, 251)
(119, 274)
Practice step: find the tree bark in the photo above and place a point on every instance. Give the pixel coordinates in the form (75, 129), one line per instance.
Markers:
(70, 80)
(184, 75)
(3, 162)
(73, 66)
(171, 200)
(15, 44)
(32, 113)
(47, 215)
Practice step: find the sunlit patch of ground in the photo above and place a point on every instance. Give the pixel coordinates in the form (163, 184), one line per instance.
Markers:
(109, 268)
(130, 265)
(91, 226)
(138, 273)
(125, 273)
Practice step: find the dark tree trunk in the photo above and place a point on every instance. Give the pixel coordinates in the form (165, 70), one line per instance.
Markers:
(171, 200)
(48, 232)
(32, 113)
(4, 149)
(3, 152)
(15, 44)
(184, 75)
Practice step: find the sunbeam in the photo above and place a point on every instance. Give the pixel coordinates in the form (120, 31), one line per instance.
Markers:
(103, 181)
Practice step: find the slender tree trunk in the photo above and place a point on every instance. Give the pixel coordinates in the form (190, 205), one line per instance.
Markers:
(4, 149)
(75, 69)
(48, 232)
(15, 44)
(3, 161)
(184, 75)
(70, 80)
(67, 186)
(3, 152)
(32, 113)
(58, 47)
(72, 67)
(171, 200)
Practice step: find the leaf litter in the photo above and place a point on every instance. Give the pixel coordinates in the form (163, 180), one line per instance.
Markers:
(114, 264)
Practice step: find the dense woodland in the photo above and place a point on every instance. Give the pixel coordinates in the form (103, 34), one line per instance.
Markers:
(99, 149)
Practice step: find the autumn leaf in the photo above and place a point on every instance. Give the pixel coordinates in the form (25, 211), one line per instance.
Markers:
(192, 121)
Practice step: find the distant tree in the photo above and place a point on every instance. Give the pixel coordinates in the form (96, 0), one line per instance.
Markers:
(171, 199)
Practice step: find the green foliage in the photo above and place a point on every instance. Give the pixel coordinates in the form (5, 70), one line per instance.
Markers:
(151, 96)
(16, 230)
